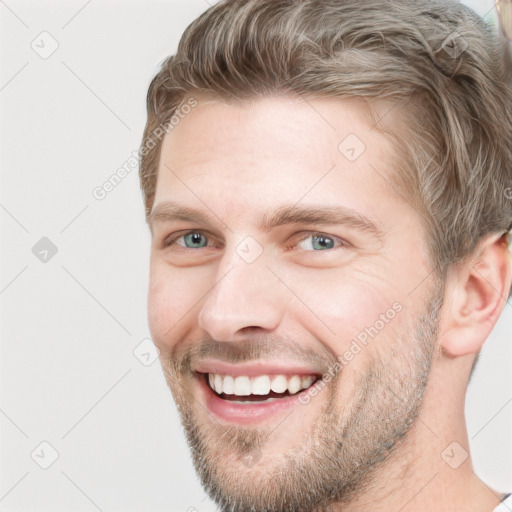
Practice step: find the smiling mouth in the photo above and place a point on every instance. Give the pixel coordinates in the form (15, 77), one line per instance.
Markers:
(260, 388)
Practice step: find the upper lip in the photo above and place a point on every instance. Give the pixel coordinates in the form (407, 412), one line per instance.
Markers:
(254, 368)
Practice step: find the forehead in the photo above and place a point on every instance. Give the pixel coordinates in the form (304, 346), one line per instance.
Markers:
(254, 155)
(294, 128)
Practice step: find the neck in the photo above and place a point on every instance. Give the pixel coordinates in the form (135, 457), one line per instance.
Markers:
(431, 468)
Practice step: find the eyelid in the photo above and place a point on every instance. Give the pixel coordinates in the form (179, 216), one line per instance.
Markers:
(171, 239)
(307, 234)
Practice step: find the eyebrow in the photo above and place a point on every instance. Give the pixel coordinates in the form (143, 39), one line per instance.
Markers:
(286, 214)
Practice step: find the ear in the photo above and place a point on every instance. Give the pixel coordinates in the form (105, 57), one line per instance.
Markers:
(476, 294)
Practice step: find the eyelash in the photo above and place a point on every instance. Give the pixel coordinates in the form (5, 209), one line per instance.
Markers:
(168, 242)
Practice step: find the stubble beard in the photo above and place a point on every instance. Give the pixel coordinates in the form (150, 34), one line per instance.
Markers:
(332, 463)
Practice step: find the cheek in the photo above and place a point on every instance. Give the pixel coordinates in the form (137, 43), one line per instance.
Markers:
(161, 312)
(169, 300)
(343, 307)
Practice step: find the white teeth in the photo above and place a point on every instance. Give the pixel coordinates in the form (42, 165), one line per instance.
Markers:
(294, 384)
(229, 385)
(218, 383)
(242, 386)
(259, 385)
(306, 381)
(279, 384)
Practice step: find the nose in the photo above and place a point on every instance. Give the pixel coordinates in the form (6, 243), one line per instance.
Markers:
(244, 296)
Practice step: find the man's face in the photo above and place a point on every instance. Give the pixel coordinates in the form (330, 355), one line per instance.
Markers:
(268, 310)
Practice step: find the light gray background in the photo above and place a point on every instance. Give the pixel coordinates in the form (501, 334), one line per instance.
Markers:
(74, 374)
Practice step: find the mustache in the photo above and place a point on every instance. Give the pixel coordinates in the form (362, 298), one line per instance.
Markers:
(185, 357)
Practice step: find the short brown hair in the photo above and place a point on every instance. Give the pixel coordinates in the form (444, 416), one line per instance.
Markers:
(437, 61)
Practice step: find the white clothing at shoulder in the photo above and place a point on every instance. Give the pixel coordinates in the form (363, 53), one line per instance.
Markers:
(505, 505)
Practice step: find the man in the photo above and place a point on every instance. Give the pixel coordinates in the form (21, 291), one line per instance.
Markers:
(327, 184)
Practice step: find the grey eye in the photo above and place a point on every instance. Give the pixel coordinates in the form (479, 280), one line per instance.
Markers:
(195, 240)
(317, 242)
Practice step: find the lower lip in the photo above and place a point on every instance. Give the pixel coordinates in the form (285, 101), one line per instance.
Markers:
(247, 412)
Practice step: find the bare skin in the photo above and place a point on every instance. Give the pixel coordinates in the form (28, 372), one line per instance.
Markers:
(239, 163)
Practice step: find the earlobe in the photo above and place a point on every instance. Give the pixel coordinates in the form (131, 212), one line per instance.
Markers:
(477, 293)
